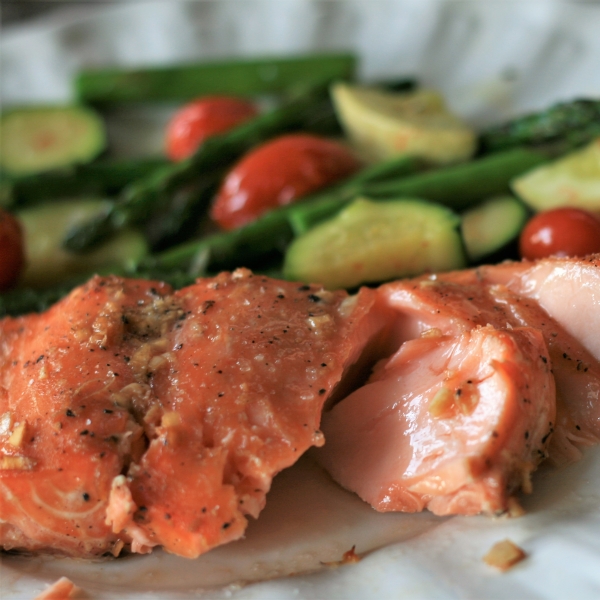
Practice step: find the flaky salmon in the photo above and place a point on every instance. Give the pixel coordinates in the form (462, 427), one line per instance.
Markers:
(132, 416)
(442, 424)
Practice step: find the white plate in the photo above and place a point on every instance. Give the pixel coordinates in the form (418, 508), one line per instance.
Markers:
(492, 60)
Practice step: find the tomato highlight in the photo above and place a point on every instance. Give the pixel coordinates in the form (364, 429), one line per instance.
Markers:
(203, 118)
(560, 232)
(12, 251)
(278, 173)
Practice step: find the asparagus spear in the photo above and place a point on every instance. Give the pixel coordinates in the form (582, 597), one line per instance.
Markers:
(140, 199)
(240, 77)
(273, 231)
(456, 186)
(103, 178)
(571, 124)
(460, 186)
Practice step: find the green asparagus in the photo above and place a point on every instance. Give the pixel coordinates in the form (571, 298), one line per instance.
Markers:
(102, 178)
(460, 186)
(273, 232)
(457, 186)
(571, 124)
(240, 77)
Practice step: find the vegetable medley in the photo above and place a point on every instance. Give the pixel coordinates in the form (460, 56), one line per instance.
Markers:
(337, 182)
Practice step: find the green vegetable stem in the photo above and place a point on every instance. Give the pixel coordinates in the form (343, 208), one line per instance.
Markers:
(570, 124)
(102, 178)
(239, 77)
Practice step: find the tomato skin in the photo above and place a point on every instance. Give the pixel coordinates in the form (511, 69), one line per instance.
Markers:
(202, 118)
(12, 250)
(277, 173)
(560, 232)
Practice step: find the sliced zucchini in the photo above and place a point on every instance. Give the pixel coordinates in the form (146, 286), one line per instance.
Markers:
(573, 180)
(48, 263)
(376, 241)
(383, 124)
(42, 138)
(492, 225)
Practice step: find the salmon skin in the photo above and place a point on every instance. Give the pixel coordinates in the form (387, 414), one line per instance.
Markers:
(493, 370)
(132, 416)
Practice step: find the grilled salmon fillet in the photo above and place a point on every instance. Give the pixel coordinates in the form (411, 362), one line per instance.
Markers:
(441, 424)
(134, 416)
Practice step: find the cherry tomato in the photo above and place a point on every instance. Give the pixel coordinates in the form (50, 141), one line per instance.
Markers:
(204, 117)
(560, 232)
(278, 173)
(12, 252)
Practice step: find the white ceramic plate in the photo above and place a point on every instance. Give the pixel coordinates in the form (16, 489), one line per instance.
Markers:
(492, 60)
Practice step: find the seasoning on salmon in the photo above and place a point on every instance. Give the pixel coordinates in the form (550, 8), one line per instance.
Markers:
(132, 416)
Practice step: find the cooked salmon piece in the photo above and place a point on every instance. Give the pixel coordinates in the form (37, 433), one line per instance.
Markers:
(133, 416)
(394, 432)
(560, 297)
(452, 423)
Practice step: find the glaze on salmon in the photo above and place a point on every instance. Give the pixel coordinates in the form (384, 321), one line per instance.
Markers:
(134, 416)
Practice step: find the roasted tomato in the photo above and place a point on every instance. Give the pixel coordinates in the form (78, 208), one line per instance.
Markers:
(12, 252)
(278, 173)
(204, 117)
(560, 232)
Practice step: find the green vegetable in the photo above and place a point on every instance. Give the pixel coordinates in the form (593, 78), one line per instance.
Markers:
(41, 138)
(102, 178)
(383, 124)
(44, 227)
(460, 186)
(491, 226)
(141, 198)
(305, 214)
(570, 123)
(273, 231)
(239, 77)
(572, 180)
(376, 241)
(240, 247)
(457, 186)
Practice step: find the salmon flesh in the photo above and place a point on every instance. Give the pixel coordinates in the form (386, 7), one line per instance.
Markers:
(133, 416)
(492, 370)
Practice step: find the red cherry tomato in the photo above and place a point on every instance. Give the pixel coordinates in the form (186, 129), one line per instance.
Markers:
(12, 252)
(560, 232)
(278, 173)
(202, 118)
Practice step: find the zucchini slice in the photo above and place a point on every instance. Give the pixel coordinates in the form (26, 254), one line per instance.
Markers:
(383, 124)
(48, 263)
(492, 225)
(376, 241)
(573, 180)
(42, 138)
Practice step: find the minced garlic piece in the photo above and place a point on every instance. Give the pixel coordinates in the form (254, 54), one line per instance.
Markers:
(15, 463)
(433, 332)
(63, 588)
(503, 555)
(441, 403)
(170, 419)
(18, 434)
(514, 508)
